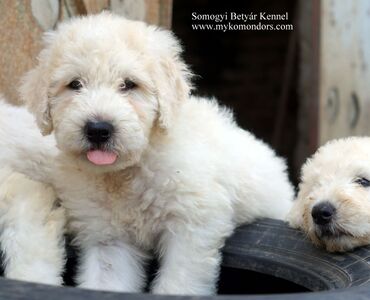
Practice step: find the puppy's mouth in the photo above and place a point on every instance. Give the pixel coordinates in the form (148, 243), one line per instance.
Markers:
(331, 231)
(101, 157)
(99, 136)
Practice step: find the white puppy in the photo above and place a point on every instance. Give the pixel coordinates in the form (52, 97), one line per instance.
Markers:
(31, 223)
(142, 165)
(32, 228)
(333, 203)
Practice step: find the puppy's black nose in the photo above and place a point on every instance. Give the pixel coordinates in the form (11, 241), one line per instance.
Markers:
(322, 213)
(98, 132)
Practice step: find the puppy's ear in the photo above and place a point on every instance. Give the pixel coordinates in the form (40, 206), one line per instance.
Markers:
(171, 76)
(34, 93)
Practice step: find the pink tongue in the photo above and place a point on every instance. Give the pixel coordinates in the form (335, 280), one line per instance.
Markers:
(99, 157)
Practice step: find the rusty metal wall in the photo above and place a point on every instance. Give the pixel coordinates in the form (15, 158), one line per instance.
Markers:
(22, 23)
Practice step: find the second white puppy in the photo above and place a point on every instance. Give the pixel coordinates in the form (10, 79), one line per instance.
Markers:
(142, 165)
(31, 230)
(31, 222)
(333, 203)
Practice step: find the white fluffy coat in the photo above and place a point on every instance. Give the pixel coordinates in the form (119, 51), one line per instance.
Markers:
(31, 230)
(186, 174)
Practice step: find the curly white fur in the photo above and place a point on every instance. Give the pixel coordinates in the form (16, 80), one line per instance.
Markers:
(31, 230)
(185, 176)
(331, 175)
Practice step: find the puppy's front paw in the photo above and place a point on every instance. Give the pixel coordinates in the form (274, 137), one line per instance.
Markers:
(170, 287)
(167, 289)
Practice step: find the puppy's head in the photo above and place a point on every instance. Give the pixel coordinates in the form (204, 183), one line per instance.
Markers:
(103, 84)
(333, 203)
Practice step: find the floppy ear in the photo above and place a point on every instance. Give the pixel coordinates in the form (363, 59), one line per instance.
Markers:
(171, 77)
(34, 93)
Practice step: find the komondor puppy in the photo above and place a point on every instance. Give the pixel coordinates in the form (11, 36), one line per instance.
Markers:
(141, 166)
(333, 203)
(31, 229)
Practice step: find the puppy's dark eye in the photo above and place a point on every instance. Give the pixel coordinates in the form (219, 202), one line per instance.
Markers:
(127, 85)
(363, 182)
(75, 85)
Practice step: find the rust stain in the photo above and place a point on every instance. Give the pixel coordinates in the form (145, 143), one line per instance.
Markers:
(20, 38)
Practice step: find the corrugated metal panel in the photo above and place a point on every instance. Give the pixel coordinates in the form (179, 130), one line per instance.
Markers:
(344, 69)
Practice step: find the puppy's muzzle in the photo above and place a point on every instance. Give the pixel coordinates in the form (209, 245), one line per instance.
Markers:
(323, 213)
(99, 132)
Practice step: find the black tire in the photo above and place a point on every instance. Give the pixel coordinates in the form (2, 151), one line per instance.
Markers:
(272, 247)
(268, 247)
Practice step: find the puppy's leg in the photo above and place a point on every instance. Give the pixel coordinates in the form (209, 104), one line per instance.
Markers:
(111, 266)
(190, 260)
(34, 253)
(31, 235)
